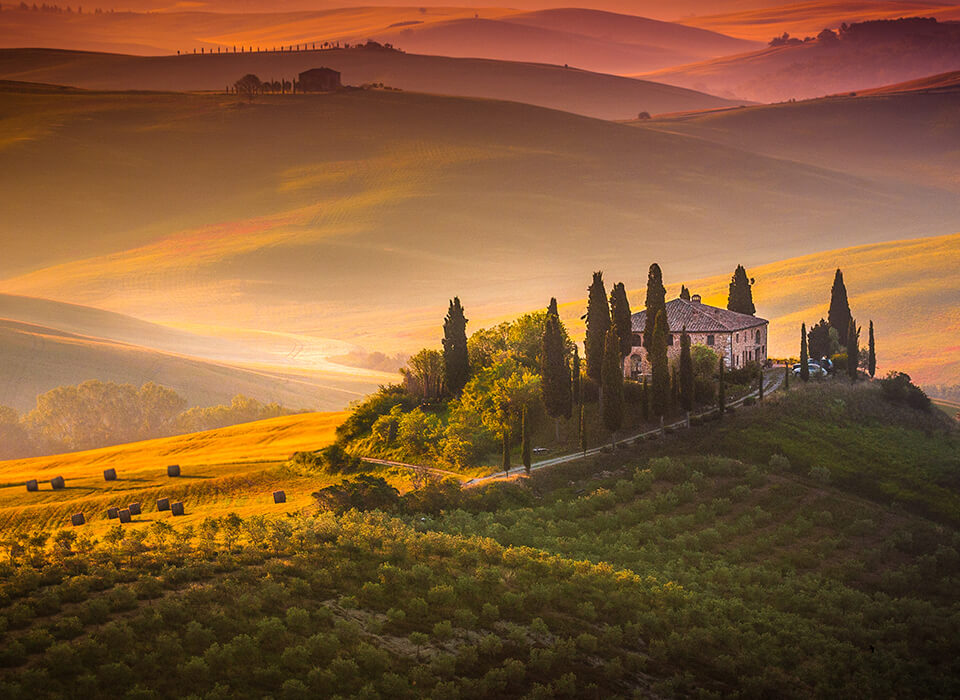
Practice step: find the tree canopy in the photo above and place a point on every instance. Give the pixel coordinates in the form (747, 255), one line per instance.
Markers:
(598, 323)
(656, 302)
(456, 360)
(740, 297)
(839, 314)
(621, 317)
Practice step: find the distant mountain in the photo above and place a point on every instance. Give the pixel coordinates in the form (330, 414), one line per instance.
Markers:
(581, 92)
(861, 56)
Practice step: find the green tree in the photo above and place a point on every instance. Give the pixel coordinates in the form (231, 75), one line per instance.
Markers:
(684, 292)
(686, 372)
(659, 367)
(505, 445)
(674, 389)
(820, 342)
(248, 86)
(740, 297)
(644, 400)
(621, 317)
(583, 429)
(611, 397)
(839, 315)
(760, 383)
(598, 323)
(655, 303)
(423, 376)
(804, 359)
(871, 353)
(456, 362)
(853, 350)
(525, 441)
(555, 377)
(575, 378)
(721, 388)
(786, 375)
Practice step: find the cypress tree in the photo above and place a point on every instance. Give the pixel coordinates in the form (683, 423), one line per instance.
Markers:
(456, 363)
(684, 292)
(620, 317)
(583, 429)
(575, 378)
(525, 441)
(853, 350)
(786, 376)
(721, 390)
(871, 353)
(506, 450)
(760, 382)
(598, 323)
(804, 360)
(740, 297)
(674, 389)
(659, 368)
(611, 397)
(686, 372)
(655, 303)
(839, 315)
(644, 400)
(554, 370)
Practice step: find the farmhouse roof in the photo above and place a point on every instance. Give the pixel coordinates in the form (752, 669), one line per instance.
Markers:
(699, 318)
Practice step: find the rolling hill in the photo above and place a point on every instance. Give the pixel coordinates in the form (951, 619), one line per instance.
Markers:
(230, 469)
(902, 133)
(867, 55)
(568, 89)
(588, 39)
(364, 232)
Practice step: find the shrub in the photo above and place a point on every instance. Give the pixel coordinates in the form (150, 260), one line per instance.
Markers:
(821, 474)
(898, 388)
(779, 463)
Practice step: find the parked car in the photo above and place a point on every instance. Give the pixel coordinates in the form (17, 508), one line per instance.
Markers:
(815, 370)
(540, 450)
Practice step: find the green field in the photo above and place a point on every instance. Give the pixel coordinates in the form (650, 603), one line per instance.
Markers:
(712, 563)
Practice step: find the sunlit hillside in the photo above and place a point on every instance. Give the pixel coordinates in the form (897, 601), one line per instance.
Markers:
(910, 289)
(356, 216)
(230, 469)
(570, 89)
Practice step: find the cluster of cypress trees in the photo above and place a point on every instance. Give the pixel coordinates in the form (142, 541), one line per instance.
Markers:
(840, 318)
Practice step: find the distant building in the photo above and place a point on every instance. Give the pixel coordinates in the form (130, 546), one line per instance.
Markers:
(320, 80)
(738, 338)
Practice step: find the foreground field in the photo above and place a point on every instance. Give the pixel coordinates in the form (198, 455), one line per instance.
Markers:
(231, 469)
(656, 570)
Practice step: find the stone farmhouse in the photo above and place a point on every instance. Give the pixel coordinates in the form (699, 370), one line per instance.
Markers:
(320, 80)
(738, 338)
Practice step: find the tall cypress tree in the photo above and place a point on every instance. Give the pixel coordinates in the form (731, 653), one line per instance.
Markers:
(871, 353)
(525, 441)
(620, 317)
(598, 323)
(804, 359)
(506, 450)
(583, 429)
(644, 400)
(684, 292)
(456, 363)
(655, 303)
(740, 297)
(659, 367)
(686, 372)
(786, 376)
(674, 389)
(575, 378)
(611, 398)
(722, 389)
(554, 370)
(853, 350)
(760, 383)
(839, 315)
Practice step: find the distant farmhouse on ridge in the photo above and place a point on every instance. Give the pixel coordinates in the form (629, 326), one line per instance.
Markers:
(320, 80)
(738, 338)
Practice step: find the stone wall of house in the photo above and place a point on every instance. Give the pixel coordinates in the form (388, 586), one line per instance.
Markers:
(737, 349)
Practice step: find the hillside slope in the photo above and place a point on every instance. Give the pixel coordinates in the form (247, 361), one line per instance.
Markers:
(318, 235)
(578, 91)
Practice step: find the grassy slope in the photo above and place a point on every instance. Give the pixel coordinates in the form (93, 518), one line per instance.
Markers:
(317, 234)
(230, 469)
(578, 91)
(691, 575)
(908, 288)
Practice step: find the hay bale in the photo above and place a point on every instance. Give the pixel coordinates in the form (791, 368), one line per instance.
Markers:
(173, 470)
(125, 516)
(113, 513)
(109, 474)
(77, 519)
(279, 497)
(163, 504)
(134, 509)
(177, 508)
(32, 485)
(58, 483)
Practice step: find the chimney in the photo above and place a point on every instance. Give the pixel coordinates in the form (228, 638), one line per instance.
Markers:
(695, 298)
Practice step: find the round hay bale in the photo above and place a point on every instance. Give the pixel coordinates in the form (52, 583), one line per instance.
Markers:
(163, 504)
(125, 516)
(173, 470)
(279, 497)
(77, 519)
(177, 508)
(134, 509)
(58, 483)
(32, 485)
(109, 474)
(113, 513)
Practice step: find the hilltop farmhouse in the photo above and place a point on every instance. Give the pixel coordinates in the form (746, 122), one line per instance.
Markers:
(738, 338)
(320, 80)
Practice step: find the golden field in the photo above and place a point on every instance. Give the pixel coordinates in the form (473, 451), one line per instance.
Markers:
(234, 469)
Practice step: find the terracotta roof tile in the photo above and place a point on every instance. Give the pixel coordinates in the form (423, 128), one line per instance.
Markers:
(699, 318)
